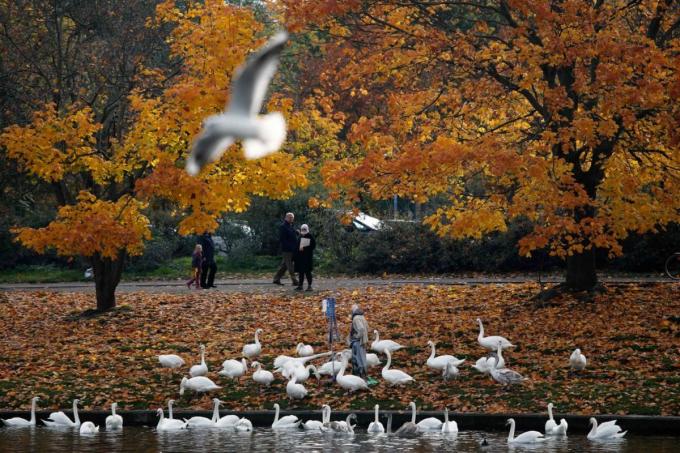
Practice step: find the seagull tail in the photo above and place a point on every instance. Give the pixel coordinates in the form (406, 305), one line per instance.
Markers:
(272, 133)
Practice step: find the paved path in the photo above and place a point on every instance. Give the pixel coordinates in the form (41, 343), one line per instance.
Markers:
(264, 285)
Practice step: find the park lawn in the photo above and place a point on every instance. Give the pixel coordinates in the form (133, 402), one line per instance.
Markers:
(630, 336)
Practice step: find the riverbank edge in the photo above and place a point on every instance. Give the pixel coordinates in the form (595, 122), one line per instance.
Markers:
(634, 424)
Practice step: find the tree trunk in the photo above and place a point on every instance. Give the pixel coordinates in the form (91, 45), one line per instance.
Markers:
(107, 273)
(581, 275)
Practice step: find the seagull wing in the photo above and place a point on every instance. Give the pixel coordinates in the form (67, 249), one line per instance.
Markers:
(252, 79)
(209, 146)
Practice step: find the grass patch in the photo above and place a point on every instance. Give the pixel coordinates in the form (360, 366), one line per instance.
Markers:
(40, 274)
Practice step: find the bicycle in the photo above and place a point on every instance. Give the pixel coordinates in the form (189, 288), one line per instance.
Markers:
(673, 266)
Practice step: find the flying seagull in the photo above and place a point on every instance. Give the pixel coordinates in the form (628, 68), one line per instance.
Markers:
(261, 135)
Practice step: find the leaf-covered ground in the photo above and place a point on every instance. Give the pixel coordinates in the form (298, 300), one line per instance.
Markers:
(630, 336)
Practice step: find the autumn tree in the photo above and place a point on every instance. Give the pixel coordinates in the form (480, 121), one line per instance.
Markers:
(117, 92)
(563, 112)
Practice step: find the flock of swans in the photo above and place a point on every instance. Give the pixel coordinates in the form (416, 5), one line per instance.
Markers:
(296, 371)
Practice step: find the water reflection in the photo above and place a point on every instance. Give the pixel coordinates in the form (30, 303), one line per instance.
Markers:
(140, 439)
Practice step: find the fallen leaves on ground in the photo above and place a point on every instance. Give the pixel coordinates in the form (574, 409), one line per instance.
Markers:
(629, 335)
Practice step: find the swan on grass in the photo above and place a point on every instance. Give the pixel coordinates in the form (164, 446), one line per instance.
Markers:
(205, 422)
(165, 424)
(88, 428)
(372, 360)
(202, 368)
(316, 425)
(252, 350)
(528, 437)
(551, 427)
(260, 135)
(449, 426)
(491, 342)
(22, 422)
(607, 430)
(286, 422)
(304, 350)
(450, 371)
(200, 384)
(279, 361)
(349, 382)
(577, 361)
(170, 361)
(233, 368)
(409, 429)
(376, 427)
(439, 363)
(394, 377)
(294, 390)
(60, 419)
(114, 421)
(505, 376)
(332, 368)
(262, 377)
(379, 345)
(301, 372)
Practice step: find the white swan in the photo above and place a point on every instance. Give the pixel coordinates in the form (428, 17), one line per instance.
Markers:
(379, 345)
(262, 377)
(88, 428)
(409, 429)
(114, 421)
(243, 424)
(233, 368)
(287, 422)
(372, 360)
(528, 437)
(449, 426)
(170, 361)
(279, 361)
(491, 342)
(577, 361)
(304, 350)
(61, 419)
(429, 423)
(394, 377)
(252, 350)
(294, 390)
(298, 370)
(316, 425)
(168, 424)
(202, 369)
(550, 423)
(198, 384)
(376, 427)
(439, 363)
(607, 430)
(343, 426)
(205, 422)
(561, 429)
(22, 422)
(505, 376)
(228, 421)
(450, 371)
(349, 382)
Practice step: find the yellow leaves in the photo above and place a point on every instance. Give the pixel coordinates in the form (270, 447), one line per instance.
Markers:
(92, 226)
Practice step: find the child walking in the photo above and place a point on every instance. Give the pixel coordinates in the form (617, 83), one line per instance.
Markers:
(196, 264)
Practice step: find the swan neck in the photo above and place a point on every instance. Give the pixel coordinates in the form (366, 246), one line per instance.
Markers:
(376, 413)
(169, 409)
(276, 413)
(216, 412)
(341, 373)
(500, 358)
(113, 409)
(433, 351)
(257, 340)
(202, 357)
(593, 430)
(33, 412)
(446, 416)
(75, 413)
(481, 328)
(377, 335)
(511, 435)
(550, 414)
(413, 413)
(326, 416)
(389, 360)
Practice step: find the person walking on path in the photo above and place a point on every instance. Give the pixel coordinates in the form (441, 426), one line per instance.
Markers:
(358, 340)
(289, 242)
(196, 265)
(304, 257)
(209, 266)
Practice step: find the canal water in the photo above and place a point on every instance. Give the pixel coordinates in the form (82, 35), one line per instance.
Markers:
(143, 439)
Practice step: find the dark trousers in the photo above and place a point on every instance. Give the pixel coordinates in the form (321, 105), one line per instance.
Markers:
(301, 278)
(286, 265)
(208, 274)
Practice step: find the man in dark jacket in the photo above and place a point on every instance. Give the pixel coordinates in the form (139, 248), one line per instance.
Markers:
(209, 265)
(289, 242)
